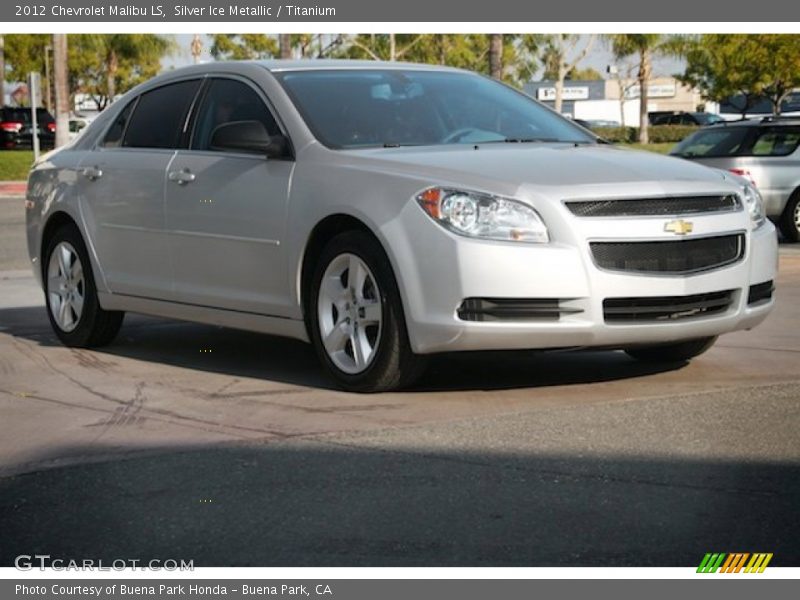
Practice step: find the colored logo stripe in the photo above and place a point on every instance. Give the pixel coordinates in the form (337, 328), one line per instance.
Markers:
(733, 563)
(758, 563)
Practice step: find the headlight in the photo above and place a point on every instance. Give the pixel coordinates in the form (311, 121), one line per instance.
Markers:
(483, 216)
(754, 204)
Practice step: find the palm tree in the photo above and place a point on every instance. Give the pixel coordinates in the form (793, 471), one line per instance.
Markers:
(496, 55)
(645, 46)
(60, 72)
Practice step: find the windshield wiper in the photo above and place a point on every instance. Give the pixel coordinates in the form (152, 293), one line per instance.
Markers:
(397, 145)
(529, 140)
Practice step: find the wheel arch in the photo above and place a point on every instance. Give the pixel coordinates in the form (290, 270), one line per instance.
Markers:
(325, 230)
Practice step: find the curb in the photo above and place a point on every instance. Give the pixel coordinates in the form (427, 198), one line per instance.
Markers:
(13, 188)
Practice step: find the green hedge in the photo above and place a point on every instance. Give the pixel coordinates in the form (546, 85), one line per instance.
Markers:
(659, 134)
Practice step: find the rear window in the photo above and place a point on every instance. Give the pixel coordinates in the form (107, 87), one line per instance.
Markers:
(740, 141)
(159, 116)
(23, 115)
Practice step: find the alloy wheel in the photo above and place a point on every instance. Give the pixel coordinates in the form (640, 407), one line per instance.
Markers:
(66, 286)
(350, 313)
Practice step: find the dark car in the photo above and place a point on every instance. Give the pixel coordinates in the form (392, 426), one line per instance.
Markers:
(16, 128)
(685, 118)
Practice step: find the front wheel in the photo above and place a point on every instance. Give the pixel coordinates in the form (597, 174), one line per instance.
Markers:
(790, 220)
(676, 352)
(71, 294)
(355, 317)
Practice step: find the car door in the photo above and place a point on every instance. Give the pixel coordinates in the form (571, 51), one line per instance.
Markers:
(226, 211)
(123, 190)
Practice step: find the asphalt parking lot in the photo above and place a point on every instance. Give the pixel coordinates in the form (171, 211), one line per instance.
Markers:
(231, 448)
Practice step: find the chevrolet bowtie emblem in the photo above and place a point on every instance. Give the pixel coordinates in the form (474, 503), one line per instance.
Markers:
(679, 227)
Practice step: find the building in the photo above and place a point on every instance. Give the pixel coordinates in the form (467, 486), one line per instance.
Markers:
(601, 99)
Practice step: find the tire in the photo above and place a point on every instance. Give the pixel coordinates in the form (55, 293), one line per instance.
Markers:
(790, 219)
(677, 352)
(358, 327)
(72, 304)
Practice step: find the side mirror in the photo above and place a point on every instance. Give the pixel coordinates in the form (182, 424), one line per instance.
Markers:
(248, 136)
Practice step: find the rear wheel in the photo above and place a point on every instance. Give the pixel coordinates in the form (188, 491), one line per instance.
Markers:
(676, 352)
(790, 220)
(71, 295)
(355, 317)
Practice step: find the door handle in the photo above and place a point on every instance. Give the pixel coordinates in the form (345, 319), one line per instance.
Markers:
(92, 173)
(181, 177)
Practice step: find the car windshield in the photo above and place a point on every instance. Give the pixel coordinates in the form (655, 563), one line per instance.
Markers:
(361, 108)
(740, 141)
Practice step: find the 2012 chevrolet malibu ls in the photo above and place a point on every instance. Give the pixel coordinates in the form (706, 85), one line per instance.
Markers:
(385, 212)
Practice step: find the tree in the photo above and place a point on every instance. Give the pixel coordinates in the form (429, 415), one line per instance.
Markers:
(245, 46)
(285, 42)
(560, 58)
(748, 67)
(469, 51)
(2, 70)
(105, 65)
(61, 77)
(645, 46)
(496, 55)
(24, 53)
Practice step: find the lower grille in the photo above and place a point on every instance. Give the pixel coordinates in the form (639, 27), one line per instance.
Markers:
(666, 308)
(761, 292)
(513, 309)
(674, 257)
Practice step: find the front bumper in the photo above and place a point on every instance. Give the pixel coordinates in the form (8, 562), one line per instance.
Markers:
(438, 270)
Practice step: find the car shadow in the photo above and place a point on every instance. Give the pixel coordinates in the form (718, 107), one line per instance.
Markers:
(247, 354)
(325, 504)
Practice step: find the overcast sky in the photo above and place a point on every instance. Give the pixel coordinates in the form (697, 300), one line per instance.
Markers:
(599, 57)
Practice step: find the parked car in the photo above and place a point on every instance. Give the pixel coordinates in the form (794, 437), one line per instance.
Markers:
(766, 152)
(386, 212)
(700, 119)
(596, 123)
(77, 123)
(16, 128)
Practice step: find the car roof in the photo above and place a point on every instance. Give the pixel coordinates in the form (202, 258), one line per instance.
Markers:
(766, 121)
(335, 63)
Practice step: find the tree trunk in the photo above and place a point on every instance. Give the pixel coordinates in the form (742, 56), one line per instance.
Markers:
(392, 47)
(112, 65)
(285, 41)
(441, 40)
(496, 55)
(645, 68)
(2, 70)
(561, 75)
(62, 88)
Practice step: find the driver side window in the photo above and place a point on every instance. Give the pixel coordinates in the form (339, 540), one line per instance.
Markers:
(229, 101)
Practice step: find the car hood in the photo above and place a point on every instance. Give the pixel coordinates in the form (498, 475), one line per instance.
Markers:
(506, 168)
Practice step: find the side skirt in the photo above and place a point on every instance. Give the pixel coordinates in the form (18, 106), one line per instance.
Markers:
(291, 328)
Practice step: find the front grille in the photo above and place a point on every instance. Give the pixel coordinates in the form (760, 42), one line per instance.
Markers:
(513, 309)
(654, 207)
(666, 308)
(674, 257)
(761, 292)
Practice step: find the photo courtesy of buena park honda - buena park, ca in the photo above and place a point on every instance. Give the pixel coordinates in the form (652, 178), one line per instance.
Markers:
(400, 306)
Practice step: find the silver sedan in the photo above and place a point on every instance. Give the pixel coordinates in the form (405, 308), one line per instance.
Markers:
(386, 212)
